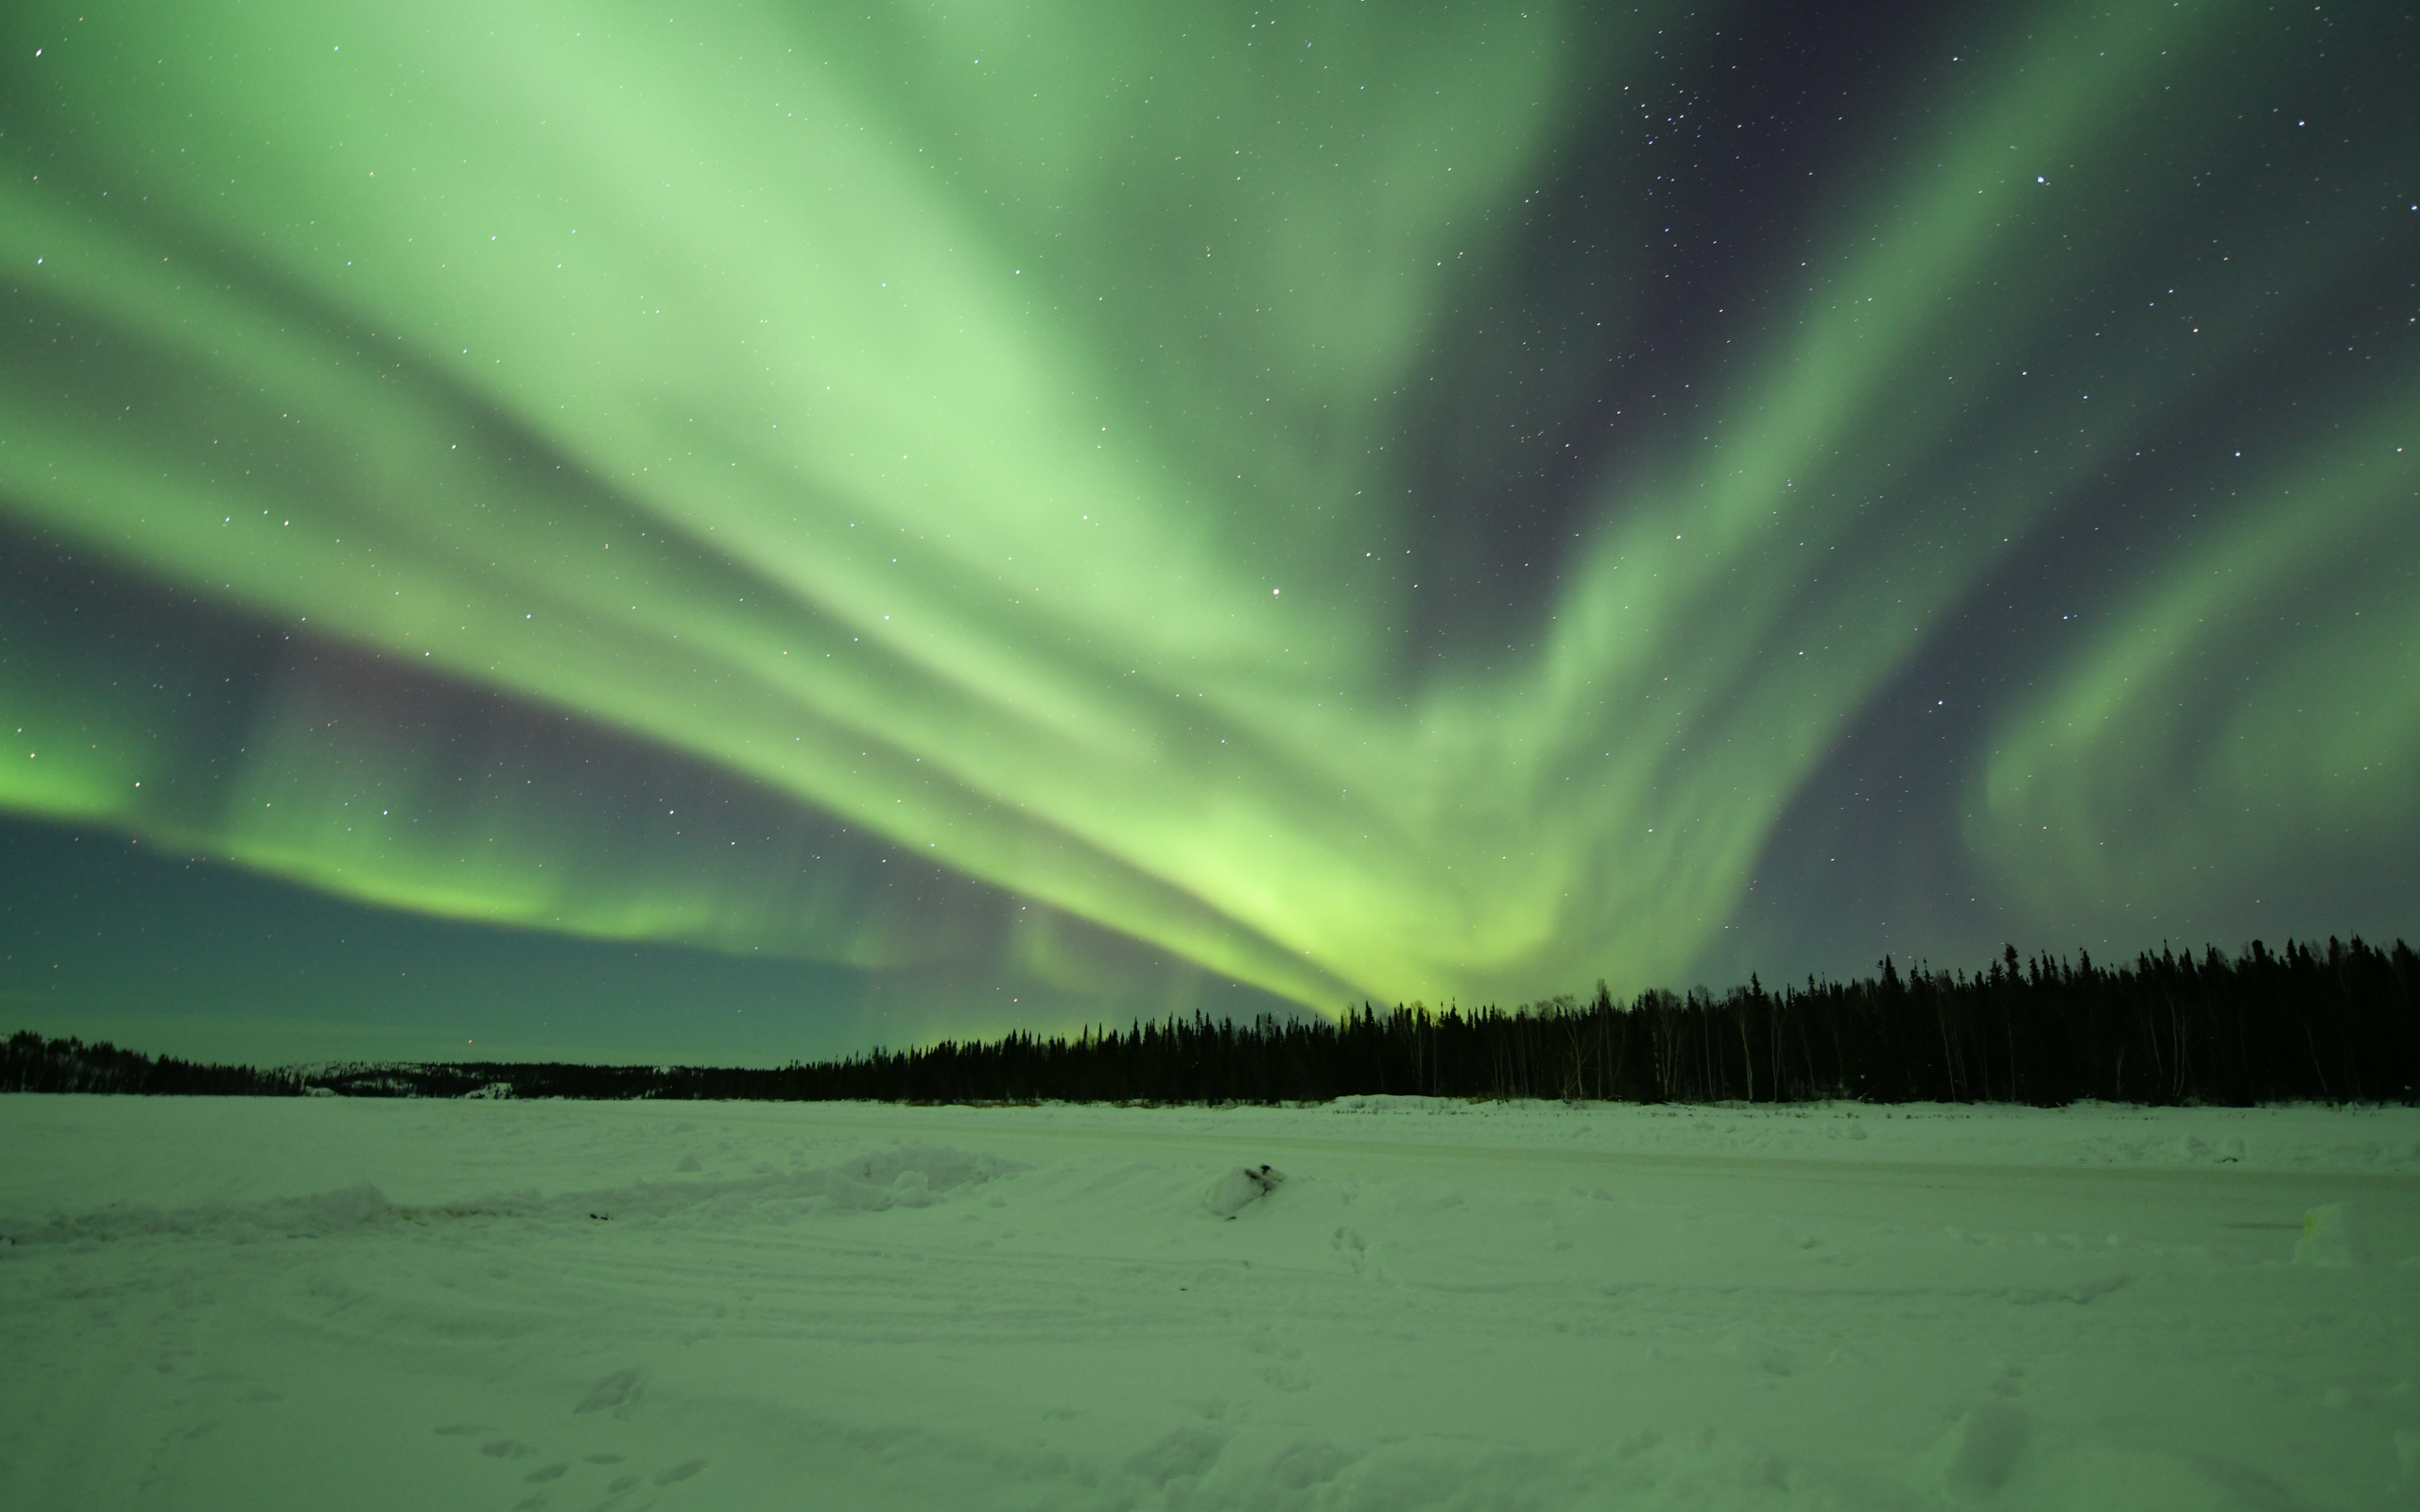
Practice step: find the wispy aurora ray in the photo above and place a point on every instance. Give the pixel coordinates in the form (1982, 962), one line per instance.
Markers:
(995, 428)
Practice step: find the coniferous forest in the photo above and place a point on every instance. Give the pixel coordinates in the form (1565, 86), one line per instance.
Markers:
(30, 1063)
(2338, 1024)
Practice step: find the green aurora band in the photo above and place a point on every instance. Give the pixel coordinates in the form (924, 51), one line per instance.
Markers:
(985, 429)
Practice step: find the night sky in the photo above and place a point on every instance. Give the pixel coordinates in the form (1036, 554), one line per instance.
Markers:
(749, 533)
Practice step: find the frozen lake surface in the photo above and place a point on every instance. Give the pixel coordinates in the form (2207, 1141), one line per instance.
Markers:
(317, 1303)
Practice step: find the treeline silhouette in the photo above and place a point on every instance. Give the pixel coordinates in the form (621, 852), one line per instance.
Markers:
(2334, 1023)
(30, 1063)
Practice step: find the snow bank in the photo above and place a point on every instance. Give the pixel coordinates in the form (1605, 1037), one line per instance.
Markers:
(905, 1176)
(2287, 1138)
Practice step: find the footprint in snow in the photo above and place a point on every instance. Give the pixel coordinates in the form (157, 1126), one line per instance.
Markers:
(615, 1393)
(1185, 1452)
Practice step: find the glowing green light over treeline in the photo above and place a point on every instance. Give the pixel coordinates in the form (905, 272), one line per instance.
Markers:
(974, 423)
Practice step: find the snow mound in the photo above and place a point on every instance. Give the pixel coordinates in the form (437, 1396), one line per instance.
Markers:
(1239, 1189)
(2330, 1239)
(1989, 1446)
(909, 1175)
(2002, 1456)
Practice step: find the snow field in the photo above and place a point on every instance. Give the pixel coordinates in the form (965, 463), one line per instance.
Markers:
(313, 1303)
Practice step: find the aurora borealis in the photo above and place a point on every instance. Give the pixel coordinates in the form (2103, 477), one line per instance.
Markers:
(1045, 510)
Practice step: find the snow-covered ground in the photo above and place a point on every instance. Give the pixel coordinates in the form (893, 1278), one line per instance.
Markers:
(321, 1303)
